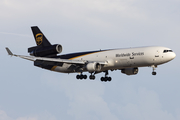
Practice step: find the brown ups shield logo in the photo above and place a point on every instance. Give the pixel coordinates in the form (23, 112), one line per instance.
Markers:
(39, 38)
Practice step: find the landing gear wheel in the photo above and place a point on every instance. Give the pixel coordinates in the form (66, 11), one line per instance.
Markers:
(77, 76)
(85, 76)
(109, 78)
(154, 73)
(106, 79)
(102, 79)
(81, 77)
(92, 77)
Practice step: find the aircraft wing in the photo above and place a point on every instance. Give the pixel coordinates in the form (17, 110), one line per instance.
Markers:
(33, 58)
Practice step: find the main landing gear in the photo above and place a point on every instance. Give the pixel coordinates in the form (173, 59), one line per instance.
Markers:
(92, 77)
(153, 66)
(81, 76)
(105, 79)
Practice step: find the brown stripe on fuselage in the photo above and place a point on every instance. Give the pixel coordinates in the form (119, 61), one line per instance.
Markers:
(53, 68)
(72, 56)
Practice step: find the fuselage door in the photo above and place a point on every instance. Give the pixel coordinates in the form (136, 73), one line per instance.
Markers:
(131, 60)
(157, 57)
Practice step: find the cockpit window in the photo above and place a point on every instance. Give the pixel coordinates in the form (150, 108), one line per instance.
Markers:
(165, 51)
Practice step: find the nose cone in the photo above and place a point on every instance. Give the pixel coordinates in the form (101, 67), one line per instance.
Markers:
(173, 55)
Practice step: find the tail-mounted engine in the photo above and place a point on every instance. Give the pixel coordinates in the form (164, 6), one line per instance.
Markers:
(52, 50)
(92, 67)
(130, 71)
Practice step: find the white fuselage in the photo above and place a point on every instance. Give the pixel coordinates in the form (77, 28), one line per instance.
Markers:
(125, 58)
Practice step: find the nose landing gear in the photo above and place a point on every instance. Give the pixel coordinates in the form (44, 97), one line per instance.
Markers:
(154, 73)
(153, 66)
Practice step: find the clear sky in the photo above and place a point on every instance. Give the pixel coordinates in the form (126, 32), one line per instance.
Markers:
(31, 93)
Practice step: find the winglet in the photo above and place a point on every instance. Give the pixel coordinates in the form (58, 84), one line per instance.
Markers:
(9, 52)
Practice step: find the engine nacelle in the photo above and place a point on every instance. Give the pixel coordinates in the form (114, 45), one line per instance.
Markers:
(45, 51)
(92, 67)
(130, 71)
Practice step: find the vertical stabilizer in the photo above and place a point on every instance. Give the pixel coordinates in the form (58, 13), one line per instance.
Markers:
(39, 37)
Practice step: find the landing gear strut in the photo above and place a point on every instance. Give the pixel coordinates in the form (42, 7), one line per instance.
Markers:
(105, 79)
(154, 73)
(92, 77)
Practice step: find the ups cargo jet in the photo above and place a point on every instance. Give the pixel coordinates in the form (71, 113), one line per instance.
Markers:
(127, 60)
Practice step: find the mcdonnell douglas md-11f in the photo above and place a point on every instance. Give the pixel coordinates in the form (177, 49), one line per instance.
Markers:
(44, 55)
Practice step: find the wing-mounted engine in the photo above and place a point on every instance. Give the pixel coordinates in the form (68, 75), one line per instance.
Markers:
(93, 67)
(52, 50)
(130, 71)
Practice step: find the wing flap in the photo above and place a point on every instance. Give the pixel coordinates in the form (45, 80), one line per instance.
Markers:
(51, 59)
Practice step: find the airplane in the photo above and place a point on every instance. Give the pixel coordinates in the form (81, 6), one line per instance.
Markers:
(128, 60)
